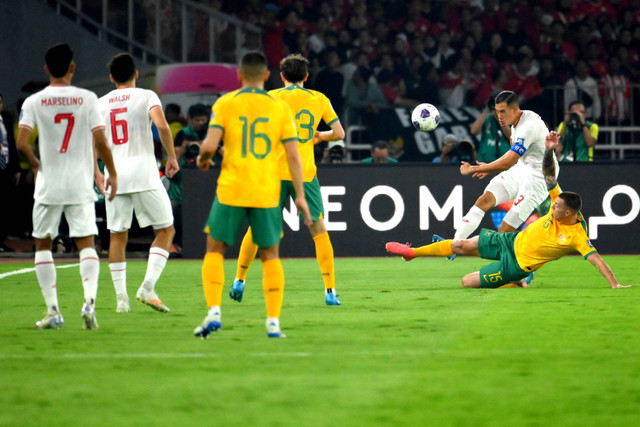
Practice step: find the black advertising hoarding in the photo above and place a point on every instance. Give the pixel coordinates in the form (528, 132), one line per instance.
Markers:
(369, 205)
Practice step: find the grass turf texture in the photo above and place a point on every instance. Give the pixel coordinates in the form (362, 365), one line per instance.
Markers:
(408, 347)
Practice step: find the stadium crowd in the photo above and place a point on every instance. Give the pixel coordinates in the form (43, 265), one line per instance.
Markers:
(366, 55)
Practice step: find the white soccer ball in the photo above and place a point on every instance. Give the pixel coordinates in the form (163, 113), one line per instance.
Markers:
(425, 117)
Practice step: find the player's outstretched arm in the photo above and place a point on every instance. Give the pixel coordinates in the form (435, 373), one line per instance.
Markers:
(101, 146)
(209, 147)
(295, 167)
(505, 162)
(605, 270)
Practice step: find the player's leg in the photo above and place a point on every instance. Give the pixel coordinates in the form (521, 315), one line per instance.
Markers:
(437, 249)
(501, 188)
(248, 251)
(267, 228)
(83, 229)
(46, 220)
(324, 248)
(222, 228)
(154, 208)
(119, 216)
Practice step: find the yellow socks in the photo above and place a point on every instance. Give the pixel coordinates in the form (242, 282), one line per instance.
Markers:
(324, 254)
(273, 286)
(442, 248)
(213, 278)
(248, 251)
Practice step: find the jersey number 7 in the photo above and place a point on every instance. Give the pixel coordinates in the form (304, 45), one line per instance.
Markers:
(67, 134)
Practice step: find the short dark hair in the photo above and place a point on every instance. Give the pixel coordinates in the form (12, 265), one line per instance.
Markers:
(253, 65)
(122, 67)
(172, 108)
(197, 110)
(576, 102)
(58, 59)
(294, 68)
(511, 98)
(380, 145)
(572, 200)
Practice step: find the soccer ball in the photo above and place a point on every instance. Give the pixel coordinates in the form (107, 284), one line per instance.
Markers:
(425, 117)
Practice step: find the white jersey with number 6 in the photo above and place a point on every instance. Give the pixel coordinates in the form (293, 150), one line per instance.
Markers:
(126, 113)
(66, 117)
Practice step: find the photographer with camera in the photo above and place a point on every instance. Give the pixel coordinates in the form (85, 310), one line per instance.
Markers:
(187, 145)
(494, 138)
(578, 135)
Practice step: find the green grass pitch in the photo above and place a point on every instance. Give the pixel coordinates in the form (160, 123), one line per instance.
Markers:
(408, 346)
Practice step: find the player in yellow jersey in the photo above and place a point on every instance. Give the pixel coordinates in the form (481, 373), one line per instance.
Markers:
(561, 232)
(309, 108)
(253, 124)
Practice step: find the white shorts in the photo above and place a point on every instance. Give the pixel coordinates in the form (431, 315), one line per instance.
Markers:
(152, 207)
(526, 190)
(81, 219)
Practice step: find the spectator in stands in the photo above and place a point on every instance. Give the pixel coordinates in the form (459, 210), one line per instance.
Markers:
(334, 153)
(452, 83)
(330, 81)
(616, 93)
(513, 36)
(187, 145)
(596, 60)
(584, 88)
(522, 78)
(578, 135)
(455, 150)
(173, 114)
(494, 138)
(363, 99)
(9, 174)
(380, 153)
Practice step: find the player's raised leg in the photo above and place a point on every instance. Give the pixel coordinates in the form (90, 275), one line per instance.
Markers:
(158, 256)
(248, 251)
(324, 255)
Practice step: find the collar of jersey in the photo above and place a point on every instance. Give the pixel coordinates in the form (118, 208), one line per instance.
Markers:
(252, 90)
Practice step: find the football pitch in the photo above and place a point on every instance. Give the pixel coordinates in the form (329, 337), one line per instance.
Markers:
(408, 346)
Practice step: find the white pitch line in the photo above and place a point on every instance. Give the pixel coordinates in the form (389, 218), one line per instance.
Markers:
(29, 270)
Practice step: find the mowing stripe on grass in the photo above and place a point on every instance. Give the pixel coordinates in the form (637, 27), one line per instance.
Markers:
(143, 355)
(29, 270)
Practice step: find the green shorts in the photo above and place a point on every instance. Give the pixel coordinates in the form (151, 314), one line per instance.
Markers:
(499, 246)
(225, 223)
(312, 195)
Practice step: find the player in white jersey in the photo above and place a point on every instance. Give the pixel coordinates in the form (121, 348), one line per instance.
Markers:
(69, 126)
(129, 112)
(520, 176)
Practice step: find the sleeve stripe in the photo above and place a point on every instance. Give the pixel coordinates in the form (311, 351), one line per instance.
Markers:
(333, 121)
(590, 253)
(98, 128)
(22, 125)
(290, 139)
(217, 126)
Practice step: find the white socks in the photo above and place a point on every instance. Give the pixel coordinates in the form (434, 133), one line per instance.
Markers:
(469, 223)
(46, 274)
(89, 270)
(157, 260)
(119, 277)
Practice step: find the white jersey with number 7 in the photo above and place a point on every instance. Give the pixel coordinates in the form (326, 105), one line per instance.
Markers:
(66, 117)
